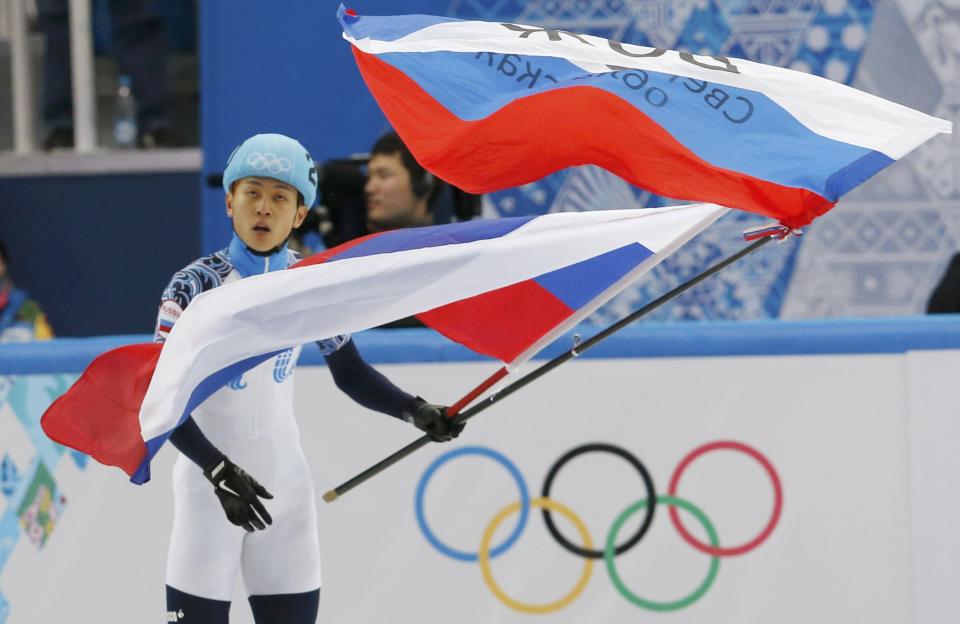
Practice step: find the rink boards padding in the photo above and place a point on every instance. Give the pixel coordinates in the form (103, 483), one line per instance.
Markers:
(856, 431)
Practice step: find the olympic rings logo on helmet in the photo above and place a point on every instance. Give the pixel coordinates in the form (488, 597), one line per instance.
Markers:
(610, 549)
(269, 161)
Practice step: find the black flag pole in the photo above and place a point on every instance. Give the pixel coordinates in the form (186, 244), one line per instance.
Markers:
(760, 237)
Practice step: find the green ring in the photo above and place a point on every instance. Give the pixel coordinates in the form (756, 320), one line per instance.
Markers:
(608, 556)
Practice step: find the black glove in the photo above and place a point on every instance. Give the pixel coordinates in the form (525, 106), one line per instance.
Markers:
(238, 494)
(432, 419)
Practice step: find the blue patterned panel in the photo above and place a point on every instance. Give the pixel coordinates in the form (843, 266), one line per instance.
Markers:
(885, 247)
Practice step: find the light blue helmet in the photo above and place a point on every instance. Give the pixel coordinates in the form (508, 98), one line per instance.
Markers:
(273, 156)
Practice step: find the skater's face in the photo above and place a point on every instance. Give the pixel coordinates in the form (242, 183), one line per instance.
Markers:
(264, 211)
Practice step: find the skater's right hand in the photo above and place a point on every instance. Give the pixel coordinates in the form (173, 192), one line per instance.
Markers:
(238, 493)
(432, 420)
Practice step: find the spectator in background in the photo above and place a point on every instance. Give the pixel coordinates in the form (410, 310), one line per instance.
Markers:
(946, 296)
(21, 319)
(398, 192)
(141, 54)
(398, 189)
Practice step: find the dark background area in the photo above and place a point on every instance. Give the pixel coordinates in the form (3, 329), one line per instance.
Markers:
(97, 251)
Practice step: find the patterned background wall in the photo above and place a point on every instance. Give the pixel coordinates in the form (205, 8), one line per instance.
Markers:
(882, 249)
(30, 501)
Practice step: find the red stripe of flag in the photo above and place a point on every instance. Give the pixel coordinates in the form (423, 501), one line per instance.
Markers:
(501, 323)
(100, 414)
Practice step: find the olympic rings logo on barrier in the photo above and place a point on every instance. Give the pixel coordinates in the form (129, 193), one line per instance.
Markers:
(269, 161)
(610, 549)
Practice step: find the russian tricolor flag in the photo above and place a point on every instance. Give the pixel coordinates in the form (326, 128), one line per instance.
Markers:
(488, 106)
(504, 287)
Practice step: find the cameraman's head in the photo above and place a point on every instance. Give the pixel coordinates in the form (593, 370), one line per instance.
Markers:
(397, 188)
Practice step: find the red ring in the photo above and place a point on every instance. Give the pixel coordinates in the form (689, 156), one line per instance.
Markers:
(777, 499)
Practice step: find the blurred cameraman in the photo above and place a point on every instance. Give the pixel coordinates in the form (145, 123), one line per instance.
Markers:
(398, 189)
(395, 192)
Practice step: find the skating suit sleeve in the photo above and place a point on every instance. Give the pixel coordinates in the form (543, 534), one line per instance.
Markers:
(198, 276)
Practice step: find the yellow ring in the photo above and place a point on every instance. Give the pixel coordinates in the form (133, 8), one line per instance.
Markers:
(484, 557)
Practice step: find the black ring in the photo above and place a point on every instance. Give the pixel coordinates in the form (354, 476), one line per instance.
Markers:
(647, 482)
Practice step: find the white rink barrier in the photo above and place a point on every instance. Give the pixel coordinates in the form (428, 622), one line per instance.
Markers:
(827, 477)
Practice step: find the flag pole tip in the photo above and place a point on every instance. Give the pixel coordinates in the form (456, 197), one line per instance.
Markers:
(771, 230)
(330, 496)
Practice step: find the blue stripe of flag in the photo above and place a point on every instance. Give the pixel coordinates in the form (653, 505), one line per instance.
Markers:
(580, 283)
(433, 236)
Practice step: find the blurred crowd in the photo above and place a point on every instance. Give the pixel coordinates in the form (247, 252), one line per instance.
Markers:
(21, 318)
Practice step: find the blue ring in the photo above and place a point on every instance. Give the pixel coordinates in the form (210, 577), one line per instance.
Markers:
(514, 472)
